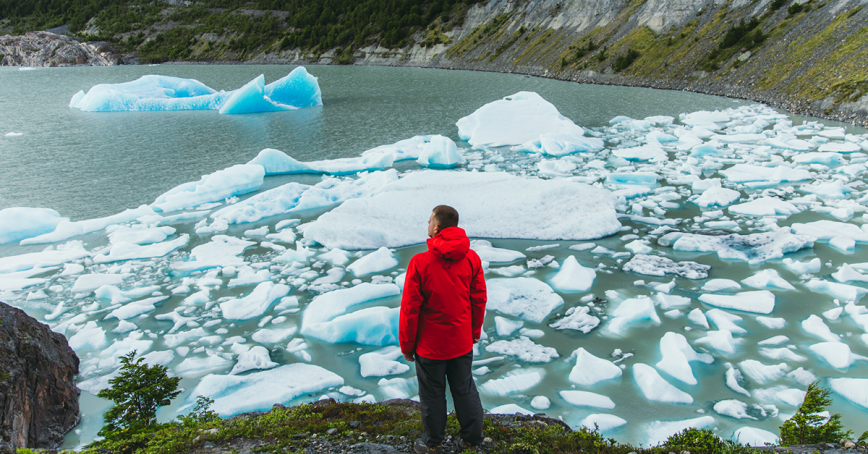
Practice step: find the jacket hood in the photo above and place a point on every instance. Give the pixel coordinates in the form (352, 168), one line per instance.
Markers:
(450, 244)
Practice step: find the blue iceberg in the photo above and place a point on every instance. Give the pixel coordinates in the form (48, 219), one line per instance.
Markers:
(161, 93)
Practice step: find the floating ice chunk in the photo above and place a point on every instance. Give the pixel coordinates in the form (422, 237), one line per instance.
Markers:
(382, 362)
(573, 277)
(653, 265)
(839, 147)
(725, 321)
(842, 291)
(90, 282)
(677, 354)
(131, 251)
(487, 198)
(734, 378)
(235, 394)
(298, 89)
(720, 285)
(825, 230)
(222, 184)
(811, 266)
(325, 317)
(631, 312)
(602, 422)
(440, 153)
(753, 248)
(758, 302)
(221, 251)
(523, 297)
(337, 257)
(375, 262)
(89, 337)
(273, 336)
(523, 348)
(402, 150)
(137, 235)
(775, 340)
(555, 168)
(698, 318)
(276, 162)
(587, 399)
(780, 394)
(732, 408)
(853, 389)
(717, 197)
(136, 308)
(514, 120)
(250, 98)
(765, 206)
(513, 381)
(655, 388)
(577, 318)
(510, 409)
(540, 403)
(703, 118)
(830, 190)
(174, 340)
(781, 353)
(249, 276)
(300, 254)
(772, 322)
(720, 340)
(491, 254)
(837, 354)
(272, 202)
(20, 223)
(505, 327)
(162, 358)
(561, 144)
(255, 358)
(751, 436)
(642, 153)
(638, 247)
(746, 173)
(112, 295)
(818, 158)
(254, 304)
(67, 229)
(398, 388)
(762, 374)
(847, 274)
(590, 370)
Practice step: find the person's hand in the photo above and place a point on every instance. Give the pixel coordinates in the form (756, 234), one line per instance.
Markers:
(475, 340)
(409, 357)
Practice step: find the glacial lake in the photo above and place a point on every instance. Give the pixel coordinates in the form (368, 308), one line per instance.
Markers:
(92, 165)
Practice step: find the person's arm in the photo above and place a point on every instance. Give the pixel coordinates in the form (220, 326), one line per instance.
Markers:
(478, 298)
(411, 303)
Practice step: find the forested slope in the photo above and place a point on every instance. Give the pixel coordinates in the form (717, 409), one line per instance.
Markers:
(807, 56)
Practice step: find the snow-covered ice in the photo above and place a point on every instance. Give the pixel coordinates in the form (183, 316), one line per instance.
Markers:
(326, 317)
(573, 277)
(758, 302)
(587, 399)
(655, 388)
(524, 349)
(524, 297)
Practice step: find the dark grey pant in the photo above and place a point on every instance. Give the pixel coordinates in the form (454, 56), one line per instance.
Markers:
(433, 375)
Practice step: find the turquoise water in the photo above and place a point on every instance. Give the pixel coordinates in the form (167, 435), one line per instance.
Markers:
(87, 165)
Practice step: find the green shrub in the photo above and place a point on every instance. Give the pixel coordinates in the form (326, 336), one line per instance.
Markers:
(623, 61)
(696, 441)
(778, 4)
(808, 426)
(795, 8)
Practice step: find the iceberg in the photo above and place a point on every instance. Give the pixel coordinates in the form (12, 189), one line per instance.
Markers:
(131, 251)
(272, 202)
(382, 362)
(677, 354)
(602, 422)
(655, 388)
(68, 229)
(577, 318)
(165, 93)
(276, 162)
(491, 254)
(587, 399)
(254, 304)
(654, 265)
(440, 153)
(524, 349)
(853, 389)
(590, 370)
(631, 312)
(746, 173)
(234, 394)
(573, 277)
(19, 223)
(658, 431)
(753, 248)
(758, 302)
(488, 203)
(326, 319)
(72, 251)
(752, 436)
(514, 381)
(561, 144)
(222, 184)
(514, 120)
(375, 262)
(765, 206)
(523, 297)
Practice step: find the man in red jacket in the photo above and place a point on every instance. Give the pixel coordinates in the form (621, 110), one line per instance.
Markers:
(442, 310)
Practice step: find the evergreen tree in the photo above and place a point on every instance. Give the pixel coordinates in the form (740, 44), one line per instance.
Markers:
(810, 425)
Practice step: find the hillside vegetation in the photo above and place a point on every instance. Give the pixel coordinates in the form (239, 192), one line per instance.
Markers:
(808, 56)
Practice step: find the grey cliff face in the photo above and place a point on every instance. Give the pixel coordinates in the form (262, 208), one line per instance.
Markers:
(39, 402)
(49, 49)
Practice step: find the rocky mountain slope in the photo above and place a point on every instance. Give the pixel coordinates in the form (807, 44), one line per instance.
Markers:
(49, 49)
(806, 56)
(39, 401)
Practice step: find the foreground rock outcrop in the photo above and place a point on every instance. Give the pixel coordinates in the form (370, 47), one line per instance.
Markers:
(39, 402)
(50, 49)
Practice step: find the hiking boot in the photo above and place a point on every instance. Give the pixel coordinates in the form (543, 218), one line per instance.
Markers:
(465, 446)
(421, 448)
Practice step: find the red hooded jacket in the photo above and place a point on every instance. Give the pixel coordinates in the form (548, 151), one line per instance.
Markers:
(443, 304)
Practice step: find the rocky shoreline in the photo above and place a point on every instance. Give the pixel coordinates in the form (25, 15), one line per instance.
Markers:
(46, 49)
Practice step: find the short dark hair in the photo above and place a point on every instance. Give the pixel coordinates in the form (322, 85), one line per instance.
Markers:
(445, 216)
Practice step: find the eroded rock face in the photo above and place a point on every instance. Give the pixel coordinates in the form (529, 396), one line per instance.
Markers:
(39, 402)
(49, 49)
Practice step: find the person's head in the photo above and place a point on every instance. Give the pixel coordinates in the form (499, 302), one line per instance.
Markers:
(443, 216)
